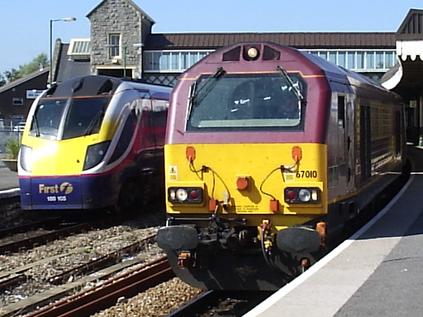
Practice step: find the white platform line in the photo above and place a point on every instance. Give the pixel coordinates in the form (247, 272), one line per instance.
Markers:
(9, 192)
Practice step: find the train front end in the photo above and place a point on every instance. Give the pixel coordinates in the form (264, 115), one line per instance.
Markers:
(66, 137)
(246, 168)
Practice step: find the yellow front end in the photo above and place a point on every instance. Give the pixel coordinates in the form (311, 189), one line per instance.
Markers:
(65, 157)
(248, 181)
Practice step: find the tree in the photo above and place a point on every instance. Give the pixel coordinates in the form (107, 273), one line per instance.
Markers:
(38, 62)
(12, 75)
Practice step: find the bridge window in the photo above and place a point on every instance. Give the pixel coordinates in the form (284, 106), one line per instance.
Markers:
(171, 61)
(359, 60)
(370, 60)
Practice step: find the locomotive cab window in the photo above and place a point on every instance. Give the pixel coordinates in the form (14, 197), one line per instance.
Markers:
(78, 116)
(247, 101)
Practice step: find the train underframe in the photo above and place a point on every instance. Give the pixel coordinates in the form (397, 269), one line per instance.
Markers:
(231, 256)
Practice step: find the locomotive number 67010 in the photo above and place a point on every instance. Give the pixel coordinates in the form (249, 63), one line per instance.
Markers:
(307, 174)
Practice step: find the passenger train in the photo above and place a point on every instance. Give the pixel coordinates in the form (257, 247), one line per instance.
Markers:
(269, 152)
(93, 142)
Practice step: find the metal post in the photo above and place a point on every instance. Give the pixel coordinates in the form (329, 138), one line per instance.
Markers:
(124, 61)
(71, 19)
(50, 73)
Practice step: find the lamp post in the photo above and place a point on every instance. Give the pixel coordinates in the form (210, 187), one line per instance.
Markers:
(70, 19)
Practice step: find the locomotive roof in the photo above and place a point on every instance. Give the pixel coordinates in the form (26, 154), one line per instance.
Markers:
(101, 85)
(85, 86)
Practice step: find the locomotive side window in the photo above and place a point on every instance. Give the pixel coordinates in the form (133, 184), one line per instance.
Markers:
(125, 137)
(242, 102)
(341, 111)
(397, 132)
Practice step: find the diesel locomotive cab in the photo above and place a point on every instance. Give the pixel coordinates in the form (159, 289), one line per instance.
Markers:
(245, 168)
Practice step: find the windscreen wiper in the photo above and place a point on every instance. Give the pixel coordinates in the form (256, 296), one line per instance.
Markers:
(198, 95)
(94, 122)
(36, 125)
(297, 91)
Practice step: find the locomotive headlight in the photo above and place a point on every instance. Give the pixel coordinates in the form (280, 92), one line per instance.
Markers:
(185, 195)
(25, 158)
(304, 195)
(172, 194)
(301, 195)
(95, 153)
(181, 194)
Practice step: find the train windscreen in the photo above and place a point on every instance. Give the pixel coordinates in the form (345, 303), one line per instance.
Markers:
(247, 101)
(68, 117)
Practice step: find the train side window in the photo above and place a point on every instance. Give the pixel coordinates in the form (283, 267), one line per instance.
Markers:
(125, 137)
(341, 111)
(397, 133)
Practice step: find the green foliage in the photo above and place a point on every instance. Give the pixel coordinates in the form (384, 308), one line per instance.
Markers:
(40, 61)
(12, 148)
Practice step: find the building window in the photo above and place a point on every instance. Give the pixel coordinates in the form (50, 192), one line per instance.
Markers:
(389, 59)
(114, 45)
(332, 57)
(370, 60)
(351, 60)
(360, 60)
(379, 60)
(17, 101)
(341, 59)
(171, 61)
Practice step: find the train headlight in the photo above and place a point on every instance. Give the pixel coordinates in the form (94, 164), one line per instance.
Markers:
(298, 195)
(304, 195)
(185, 195)
(25, 158)
(95, 153)
(181, 194)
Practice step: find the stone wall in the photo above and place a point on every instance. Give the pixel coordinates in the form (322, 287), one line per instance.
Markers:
(117, 16)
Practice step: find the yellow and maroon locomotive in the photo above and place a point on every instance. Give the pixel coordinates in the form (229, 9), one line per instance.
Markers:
(269, 151)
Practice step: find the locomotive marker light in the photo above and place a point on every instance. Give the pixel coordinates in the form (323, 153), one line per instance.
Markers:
(252, 52)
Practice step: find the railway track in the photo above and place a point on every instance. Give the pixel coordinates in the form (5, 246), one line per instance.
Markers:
(30, 240)
(221, 303)
(102, 296)
(67, 282)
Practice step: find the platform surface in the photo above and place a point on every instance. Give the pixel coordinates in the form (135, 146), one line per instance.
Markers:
(9, 184)
(376, 272)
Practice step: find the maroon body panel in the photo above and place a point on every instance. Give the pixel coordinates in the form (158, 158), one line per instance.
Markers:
(293, 61)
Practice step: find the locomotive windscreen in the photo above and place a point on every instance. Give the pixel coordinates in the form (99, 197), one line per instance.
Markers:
(247, 101)
(78, 116)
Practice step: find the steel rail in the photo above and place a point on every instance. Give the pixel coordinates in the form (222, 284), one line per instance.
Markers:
(101, 297)
(29, 242)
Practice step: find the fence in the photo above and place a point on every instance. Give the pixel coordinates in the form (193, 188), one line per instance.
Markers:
(5, 136)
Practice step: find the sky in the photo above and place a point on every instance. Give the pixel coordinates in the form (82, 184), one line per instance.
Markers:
(24, 24)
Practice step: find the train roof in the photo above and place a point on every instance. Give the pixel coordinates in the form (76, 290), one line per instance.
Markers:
(93, 85)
